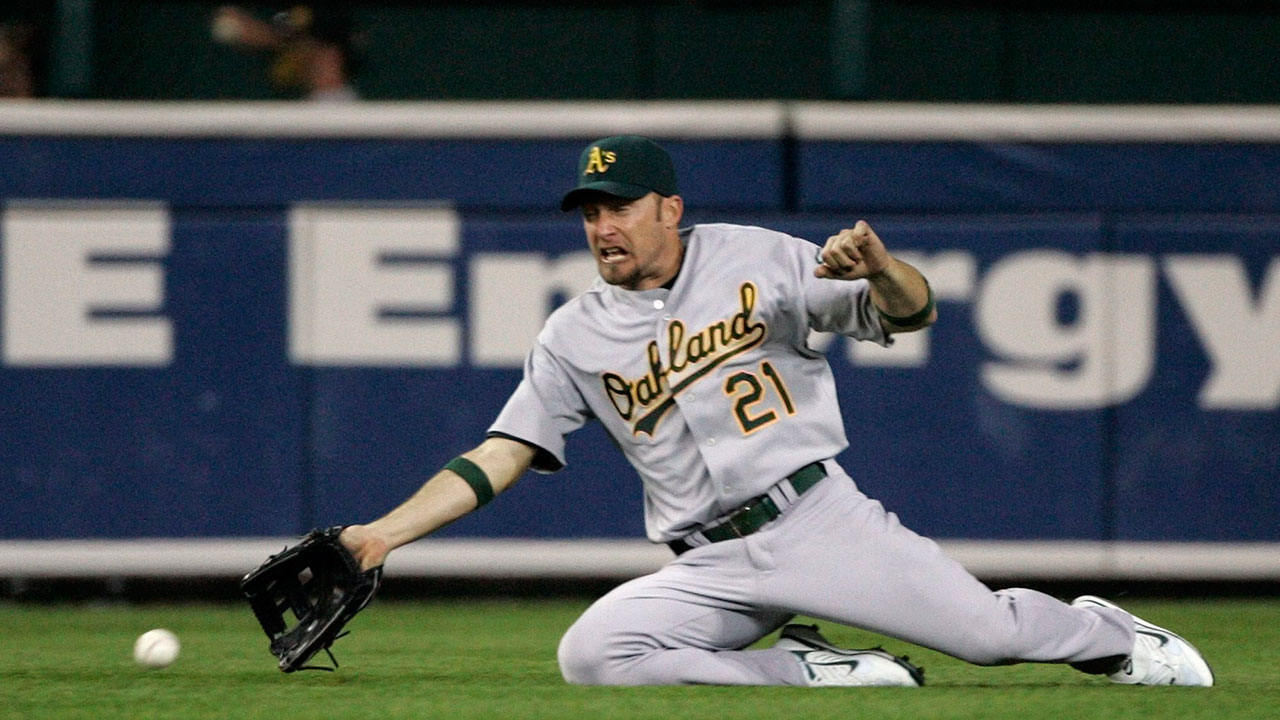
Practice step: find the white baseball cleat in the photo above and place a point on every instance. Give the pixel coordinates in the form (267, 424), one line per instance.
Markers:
(1159, 657)
(826, 665)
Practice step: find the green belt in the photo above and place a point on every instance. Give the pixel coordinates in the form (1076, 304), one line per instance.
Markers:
(758, 511)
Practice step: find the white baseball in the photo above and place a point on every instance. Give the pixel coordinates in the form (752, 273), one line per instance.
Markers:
(156, 648)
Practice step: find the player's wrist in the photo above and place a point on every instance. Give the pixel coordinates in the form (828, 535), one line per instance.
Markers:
(914, 319)
(367, 544)
(896, 295)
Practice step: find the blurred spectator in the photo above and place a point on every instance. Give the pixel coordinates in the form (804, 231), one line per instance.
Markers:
(17, 73)
(312, 48)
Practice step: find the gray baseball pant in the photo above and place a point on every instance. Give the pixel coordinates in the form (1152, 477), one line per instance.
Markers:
(835, 555)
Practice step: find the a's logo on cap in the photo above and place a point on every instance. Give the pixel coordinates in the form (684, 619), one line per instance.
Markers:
(598, 161)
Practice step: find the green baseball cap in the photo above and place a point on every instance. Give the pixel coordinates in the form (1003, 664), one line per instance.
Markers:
(627, 166)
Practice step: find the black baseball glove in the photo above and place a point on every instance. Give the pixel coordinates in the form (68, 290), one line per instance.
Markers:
(321, 583)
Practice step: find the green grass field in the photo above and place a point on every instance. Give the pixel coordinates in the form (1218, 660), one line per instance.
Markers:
(496, 659)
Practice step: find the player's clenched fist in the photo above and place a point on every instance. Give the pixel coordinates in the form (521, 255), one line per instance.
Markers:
(853, 253)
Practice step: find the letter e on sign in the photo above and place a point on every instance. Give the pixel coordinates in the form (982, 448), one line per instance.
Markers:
(83, 285)
(373, 286)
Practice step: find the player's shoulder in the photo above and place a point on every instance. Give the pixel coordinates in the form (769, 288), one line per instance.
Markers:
(731, 233)
(748, 241)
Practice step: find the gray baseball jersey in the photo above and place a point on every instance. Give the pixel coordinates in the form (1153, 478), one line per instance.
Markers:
(709, 387)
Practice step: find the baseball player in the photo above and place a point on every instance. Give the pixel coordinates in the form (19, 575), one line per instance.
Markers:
(691, 349)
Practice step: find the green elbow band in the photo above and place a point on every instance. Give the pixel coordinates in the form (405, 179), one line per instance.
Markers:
(475, 477)
(914, 318)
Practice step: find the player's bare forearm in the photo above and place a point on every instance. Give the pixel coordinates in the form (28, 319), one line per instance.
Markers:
(441, 500)
(901, 291)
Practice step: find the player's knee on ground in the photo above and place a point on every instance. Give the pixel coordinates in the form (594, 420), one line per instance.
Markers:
(594, 655)
(583, 657)
(578, 656)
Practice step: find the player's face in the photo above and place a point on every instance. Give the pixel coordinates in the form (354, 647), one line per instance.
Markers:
(636, 243)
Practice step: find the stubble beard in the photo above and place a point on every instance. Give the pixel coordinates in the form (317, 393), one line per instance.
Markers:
(614, 275)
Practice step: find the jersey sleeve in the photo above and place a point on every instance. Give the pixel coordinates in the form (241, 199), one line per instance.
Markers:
(837, 306)
(544, 408)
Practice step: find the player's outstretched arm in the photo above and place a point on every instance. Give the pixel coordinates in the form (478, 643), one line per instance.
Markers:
(441, 500)
(898, 290)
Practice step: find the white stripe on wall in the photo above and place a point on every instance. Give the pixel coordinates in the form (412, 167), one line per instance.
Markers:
(467, 120)
(750, 119)
(597, 558)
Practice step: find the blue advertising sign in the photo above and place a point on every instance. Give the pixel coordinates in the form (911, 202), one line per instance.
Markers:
(186, 351)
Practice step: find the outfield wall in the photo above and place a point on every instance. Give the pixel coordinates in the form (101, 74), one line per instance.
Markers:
(233, 322)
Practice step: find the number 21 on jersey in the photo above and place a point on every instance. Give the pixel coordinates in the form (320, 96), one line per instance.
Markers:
(751, 392)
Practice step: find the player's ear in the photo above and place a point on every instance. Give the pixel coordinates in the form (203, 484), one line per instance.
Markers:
(672, 210)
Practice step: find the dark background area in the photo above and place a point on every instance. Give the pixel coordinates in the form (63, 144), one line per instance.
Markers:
(884, 50)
